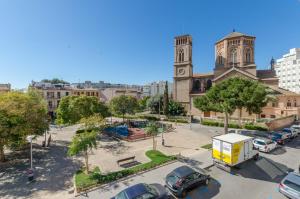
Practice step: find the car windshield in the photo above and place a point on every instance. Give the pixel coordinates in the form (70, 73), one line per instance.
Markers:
(151, 189)
(172, 179)
(277, 135)
(292, 185)
(269, 142)
(260, 142)
(121, 195)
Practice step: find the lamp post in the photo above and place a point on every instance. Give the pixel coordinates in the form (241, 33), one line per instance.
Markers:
(30, 171)
(29, 139)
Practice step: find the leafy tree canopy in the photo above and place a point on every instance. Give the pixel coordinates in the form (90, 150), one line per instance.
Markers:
(123, 104)
(21, 114)
(72, 109)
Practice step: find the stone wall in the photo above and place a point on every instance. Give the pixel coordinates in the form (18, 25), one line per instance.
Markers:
(280, 122)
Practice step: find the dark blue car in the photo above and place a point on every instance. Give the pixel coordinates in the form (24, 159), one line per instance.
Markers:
(278, 137)
(143, 191)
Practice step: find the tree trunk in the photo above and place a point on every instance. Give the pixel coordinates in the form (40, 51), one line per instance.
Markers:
(86, 161)
(123, 117)
(240, 116)
(154, 148)
(2, 156)
(226, 122)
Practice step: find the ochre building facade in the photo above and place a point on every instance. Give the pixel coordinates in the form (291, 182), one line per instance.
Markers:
(234, 57)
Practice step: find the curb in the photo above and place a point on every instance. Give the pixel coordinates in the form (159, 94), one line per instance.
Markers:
(94, 187)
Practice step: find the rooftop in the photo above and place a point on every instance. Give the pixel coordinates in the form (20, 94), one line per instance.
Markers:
(232, 137)
(233, 35)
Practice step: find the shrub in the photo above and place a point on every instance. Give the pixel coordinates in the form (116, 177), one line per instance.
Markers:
(149, 117)
(84, 181)
(219, 124)
(251, 126)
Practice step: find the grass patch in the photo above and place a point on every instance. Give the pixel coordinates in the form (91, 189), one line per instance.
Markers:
(207, 146)
(84, 181)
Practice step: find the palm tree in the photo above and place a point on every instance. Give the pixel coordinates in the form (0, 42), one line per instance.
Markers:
(152, 130)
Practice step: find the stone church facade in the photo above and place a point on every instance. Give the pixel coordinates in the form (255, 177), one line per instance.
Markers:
(234, 57)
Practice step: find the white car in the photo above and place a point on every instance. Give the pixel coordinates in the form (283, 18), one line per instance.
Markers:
(264, 145)
(296, 128)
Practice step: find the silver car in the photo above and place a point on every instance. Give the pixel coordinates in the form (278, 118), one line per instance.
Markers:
(290, 186)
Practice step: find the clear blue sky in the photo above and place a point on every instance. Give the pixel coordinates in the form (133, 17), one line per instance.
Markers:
(131, 41)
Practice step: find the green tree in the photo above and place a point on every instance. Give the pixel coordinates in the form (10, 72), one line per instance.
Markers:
(231, 94)
(72, 109)
(166, 100)
(123, 104)
(21, 114)
(142, 104)
(152, 130)
(256, 97)
(81, 143)
(218, 99)
(175, 108)
(155, 103)
(95, 122)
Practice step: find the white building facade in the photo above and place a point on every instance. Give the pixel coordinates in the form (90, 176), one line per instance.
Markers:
(288, 70)
(157, 88)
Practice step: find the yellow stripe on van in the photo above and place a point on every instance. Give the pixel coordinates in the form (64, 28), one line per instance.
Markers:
(216, 154)
(237, 147)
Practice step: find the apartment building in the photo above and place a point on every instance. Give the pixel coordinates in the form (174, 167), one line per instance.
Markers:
(5, 88)
(288, 70)
(157, 88)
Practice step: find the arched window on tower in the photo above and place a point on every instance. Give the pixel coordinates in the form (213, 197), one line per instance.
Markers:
(248, 55)
(181, 55)
(233, 56)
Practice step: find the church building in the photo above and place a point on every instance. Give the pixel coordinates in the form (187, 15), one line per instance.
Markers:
(234, 57)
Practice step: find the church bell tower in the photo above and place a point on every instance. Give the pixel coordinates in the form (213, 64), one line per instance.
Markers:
(183, 69)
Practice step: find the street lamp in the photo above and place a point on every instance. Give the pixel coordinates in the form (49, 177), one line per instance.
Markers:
(29, 139)
(30, 171)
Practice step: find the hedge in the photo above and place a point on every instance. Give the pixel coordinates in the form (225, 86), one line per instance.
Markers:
(251, 126)
(84, 181)
(219, 124)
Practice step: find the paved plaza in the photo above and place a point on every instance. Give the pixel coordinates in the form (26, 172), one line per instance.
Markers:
(54, 169)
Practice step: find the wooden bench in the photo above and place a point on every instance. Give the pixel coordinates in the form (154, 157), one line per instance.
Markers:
(126, 159)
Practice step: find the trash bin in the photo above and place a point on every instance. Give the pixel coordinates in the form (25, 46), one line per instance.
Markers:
(30, 175)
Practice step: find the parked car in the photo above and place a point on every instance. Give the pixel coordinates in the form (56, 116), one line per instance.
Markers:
(279, 137)
(294, 132)
(184, 178)
(288, 132)
(143, 191)
(296, 128)
(265, 145)
(290, 186)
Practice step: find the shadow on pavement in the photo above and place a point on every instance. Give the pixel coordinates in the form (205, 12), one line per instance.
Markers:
(294, 143)
(53, 172)
(278, 151)
(206, 192)
(263, 169)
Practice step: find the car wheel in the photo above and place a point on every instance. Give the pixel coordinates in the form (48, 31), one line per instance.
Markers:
(256, 157)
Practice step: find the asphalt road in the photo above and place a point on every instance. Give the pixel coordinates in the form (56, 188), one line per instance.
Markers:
(254, 180)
